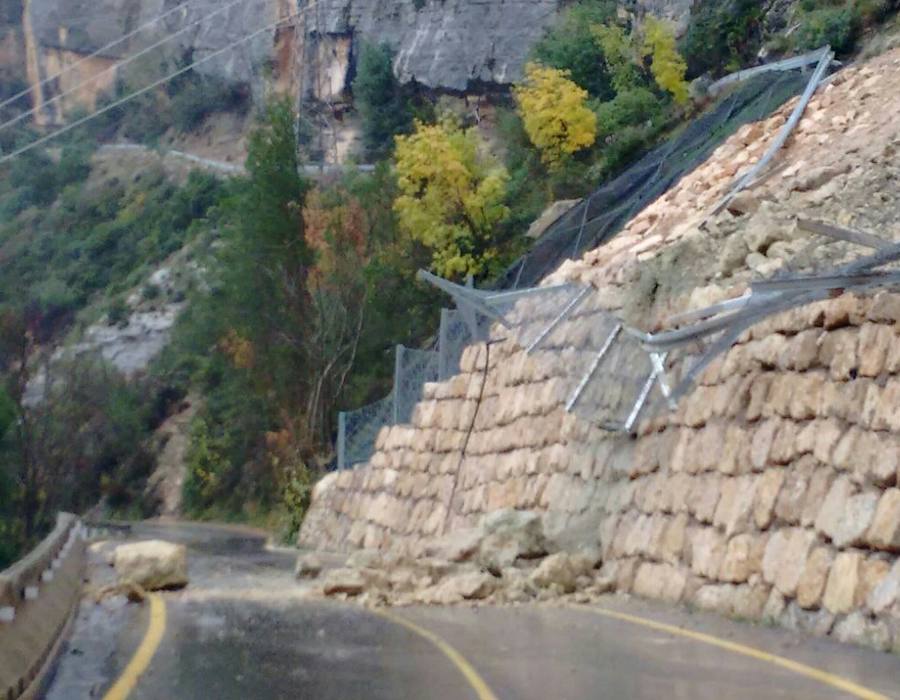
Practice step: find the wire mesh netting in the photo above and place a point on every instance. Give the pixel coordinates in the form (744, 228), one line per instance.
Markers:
(414, 368)
(613, 379)
(602, 214)
(359, 430)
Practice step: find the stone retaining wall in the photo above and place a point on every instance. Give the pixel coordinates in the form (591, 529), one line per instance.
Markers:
(772, 492)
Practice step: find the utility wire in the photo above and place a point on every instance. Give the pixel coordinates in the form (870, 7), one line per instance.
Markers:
(122, 63)
(99, 51)
(153, 85)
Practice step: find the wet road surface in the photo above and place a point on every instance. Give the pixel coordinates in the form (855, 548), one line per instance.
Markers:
(245, 629)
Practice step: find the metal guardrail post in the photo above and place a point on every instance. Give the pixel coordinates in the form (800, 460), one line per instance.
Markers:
(342, 441)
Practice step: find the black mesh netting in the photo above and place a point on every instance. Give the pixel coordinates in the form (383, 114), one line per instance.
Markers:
(600, 215)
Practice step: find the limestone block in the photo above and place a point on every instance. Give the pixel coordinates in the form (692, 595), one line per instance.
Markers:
(785, 558)
(757, 388)
(743, 558)
(728, 452)
(838, 352)
(775, 605)
(624, 571)
(892, 360)
(735, 506)
(802, 351)
(828, 433)
(707, 550)
(660, 581)
(847, 309)
(789, 503)
(885, 308)
(845, 516)
(785, 446)
(672, 543)
(767, 351)
(856, 629)
(763, 438)
(819, 485)
(815, 622)
(806, 396)
(884, 533)
(843, 580)
(815, 575)
(678, 488)
(887, 592)
(843, 399)
(705, 496)
(781, 394)
(768, 489)
(682, 453)
(887, 415)
(723, 399)
(715, 598)
(749, 601)
(872, 571)
(877, 459)
(874, 341)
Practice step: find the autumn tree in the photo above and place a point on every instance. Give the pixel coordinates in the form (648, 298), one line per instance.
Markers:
(667, 65)
(451, 196)
(555, 113)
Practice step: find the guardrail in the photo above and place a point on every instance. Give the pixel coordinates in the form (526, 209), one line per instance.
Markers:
(37, 597)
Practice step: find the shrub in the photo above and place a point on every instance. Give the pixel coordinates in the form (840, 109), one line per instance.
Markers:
(722, 37)
(194, 97)
(378, 98)
(837, 26)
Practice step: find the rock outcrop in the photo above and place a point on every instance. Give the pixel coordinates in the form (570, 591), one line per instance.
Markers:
(771, 493)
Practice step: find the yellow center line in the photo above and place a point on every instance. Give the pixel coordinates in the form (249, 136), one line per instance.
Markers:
(144, 654)
(816, 674)
(482, 691)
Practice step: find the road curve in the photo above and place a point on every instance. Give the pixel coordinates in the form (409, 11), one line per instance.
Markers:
(244, 629)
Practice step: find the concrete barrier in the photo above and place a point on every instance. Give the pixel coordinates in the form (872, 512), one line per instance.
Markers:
(38, 595)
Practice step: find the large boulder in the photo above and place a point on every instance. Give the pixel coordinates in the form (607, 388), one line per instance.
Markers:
(153, 565)
(562, 569)
(344, 581)
(509, 535)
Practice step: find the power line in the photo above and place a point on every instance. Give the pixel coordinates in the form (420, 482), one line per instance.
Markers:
(122, 63)
(153, 85)
(96, 53)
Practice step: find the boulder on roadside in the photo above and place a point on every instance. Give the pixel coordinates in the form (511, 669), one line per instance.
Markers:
(457, 546)
(469, 585)
(308, 566)
(347, 581)
(152, 565)
(509, 535)
(562, 569)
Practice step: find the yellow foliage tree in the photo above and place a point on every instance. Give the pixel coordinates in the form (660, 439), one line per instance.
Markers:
(555, 114)
(668, 66)
(451, 196)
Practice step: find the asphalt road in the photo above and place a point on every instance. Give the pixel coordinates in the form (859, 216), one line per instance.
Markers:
(245, 629)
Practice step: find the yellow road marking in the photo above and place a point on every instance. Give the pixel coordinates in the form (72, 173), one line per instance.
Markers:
(142, 657)
(816, 674)
(482, 691)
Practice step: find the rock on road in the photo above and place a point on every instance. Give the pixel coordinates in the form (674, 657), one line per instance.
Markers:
(245, 628)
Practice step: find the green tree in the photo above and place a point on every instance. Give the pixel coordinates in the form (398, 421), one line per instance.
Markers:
(570, 45)
(451, 196)
(378, 96)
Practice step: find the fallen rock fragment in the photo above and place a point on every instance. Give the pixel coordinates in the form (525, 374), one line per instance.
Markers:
(347, 581)
(153, 565)
(308, 566)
